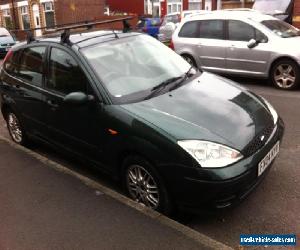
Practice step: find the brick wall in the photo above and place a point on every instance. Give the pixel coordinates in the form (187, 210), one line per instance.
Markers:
(129, 6)
(296, 17)
(234, 4)
(70, 11)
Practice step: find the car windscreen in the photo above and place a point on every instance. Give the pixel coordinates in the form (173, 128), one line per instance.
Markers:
(281, 28)
(130, 67)
(272, 6)
(4, 32)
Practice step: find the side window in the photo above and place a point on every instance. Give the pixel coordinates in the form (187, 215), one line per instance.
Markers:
(31, 65)
(260, 37)
(12, 63)
(65, 75)
(211, 29)
(240, 31)
(189, 29)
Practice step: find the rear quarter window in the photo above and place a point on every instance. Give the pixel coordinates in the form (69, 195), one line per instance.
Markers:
(12, 63)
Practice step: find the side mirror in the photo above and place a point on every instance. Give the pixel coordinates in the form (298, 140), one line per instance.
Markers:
(78, 98)
(252, 43)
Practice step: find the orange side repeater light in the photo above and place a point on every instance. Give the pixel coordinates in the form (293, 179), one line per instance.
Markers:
(112, 132)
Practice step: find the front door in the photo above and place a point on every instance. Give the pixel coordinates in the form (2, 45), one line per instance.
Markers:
(241, 59)
(79, 129)
(36, 19)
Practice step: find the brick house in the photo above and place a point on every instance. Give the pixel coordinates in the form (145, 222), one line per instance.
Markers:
(146, 7)
(24, 14)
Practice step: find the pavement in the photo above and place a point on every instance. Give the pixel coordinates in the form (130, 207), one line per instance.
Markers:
(44, 207)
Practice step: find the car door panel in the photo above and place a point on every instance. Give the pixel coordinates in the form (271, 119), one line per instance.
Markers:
(24, 78)
(212, 53)
(211, 44)
(77, 128)
(239, 57)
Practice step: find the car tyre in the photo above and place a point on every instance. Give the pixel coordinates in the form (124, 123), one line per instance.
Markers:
(144, 185)
(190, 60)
(15, 129)
(285, 74)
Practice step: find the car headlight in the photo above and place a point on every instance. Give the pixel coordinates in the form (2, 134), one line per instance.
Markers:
(209, 154)
(272, 111)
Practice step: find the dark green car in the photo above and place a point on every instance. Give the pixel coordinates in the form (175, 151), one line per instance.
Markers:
(123, 102)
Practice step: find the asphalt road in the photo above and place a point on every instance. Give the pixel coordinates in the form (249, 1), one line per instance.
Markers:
(272, 208)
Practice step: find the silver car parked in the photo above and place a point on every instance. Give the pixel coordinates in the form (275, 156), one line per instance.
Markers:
(244, 43)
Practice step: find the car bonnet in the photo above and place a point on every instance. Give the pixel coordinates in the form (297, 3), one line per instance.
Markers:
(208, 108)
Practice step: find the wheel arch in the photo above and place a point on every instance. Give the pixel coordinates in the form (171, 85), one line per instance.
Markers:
(191, 56)
(4, 110)
(276, 60)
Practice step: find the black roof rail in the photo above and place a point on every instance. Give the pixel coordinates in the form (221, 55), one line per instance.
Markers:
(66, 28)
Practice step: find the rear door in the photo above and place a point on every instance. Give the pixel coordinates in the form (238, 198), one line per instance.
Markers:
(79, 129)
(24, 77)
(212, 45)
(241, 59)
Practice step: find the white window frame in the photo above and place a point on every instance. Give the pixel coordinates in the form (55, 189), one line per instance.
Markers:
(46, 4)
(24, 11)
(172, 5)
(6, 12)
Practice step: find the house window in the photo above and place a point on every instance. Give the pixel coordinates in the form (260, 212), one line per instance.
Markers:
(49, 14)
(195, 5)
(7, 19)
(174, 6)
(25, 17)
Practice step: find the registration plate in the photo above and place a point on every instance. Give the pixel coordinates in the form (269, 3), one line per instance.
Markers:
(266, 161)
(7, 48)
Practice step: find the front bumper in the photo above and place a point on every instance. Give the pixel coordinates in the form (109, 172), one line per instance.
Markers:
(226, 186)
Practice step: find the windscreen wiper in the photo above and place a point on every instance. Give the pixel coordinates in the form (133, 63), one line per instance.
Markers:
(183, 78)
(156, 89)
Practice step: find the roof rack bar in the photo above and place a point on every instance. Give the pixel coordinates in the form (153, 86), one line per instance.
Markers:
(78, 25)
(68, 27)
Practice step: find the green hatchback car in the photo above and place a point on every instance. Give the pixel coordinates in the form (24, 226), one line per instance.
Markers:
(173, 135)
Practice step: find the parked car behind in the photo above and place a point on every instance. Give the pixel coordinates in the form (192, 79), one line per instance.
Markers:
(171, 21)
(6, 41)
(243, 43)
(125, 103)
(149, 26)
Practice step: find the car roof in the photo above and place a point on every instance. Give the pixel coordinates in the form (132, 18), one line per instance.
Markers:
(84, 39)
(173, 14)
(240, 14)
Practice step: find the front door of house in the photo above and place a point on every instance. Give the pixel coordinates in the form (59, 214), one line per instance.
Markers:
(37, 19)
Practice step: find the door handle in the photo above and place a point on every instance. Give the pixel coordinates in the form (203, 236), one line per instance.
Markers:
(52, 104)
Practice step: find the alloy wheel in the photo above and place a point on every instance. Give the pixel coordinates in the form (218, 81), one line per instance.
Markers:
(285, 76)
(14, 128)
(142, 186)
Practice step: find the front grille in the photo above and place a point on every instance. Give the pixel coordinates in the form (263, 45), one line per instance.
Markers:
(257, 143)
